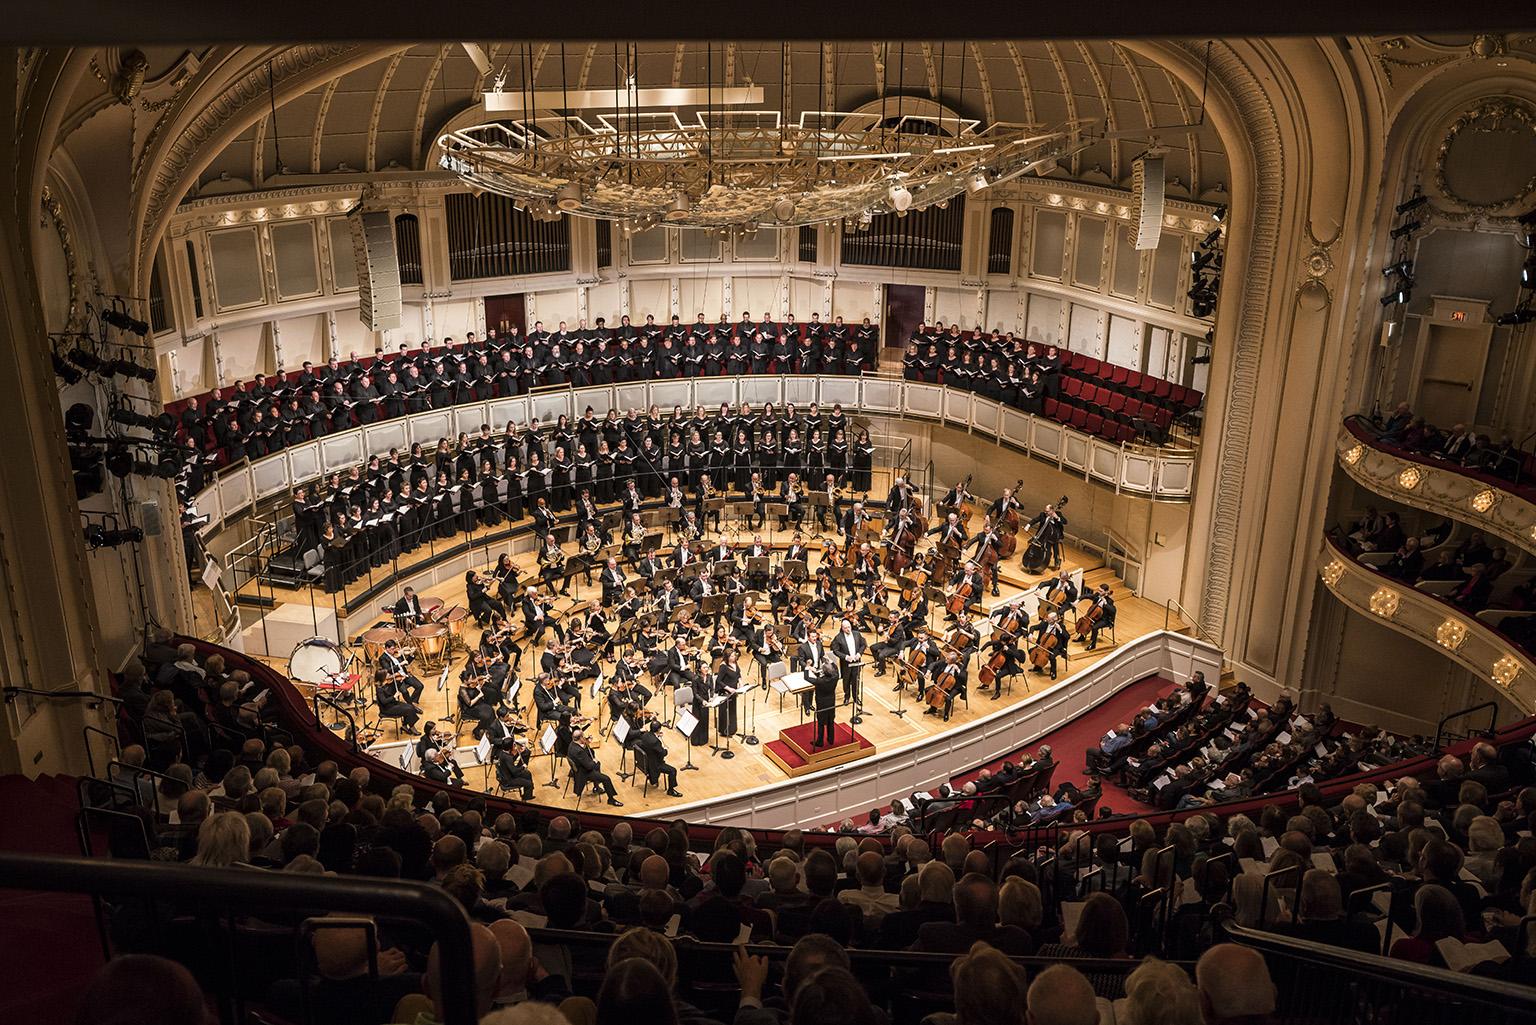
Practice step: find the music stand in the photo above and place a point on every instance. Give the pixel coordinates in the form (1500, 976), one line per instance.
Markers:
(680, 697)
(713, 604)
(775, 512)
(796, 568)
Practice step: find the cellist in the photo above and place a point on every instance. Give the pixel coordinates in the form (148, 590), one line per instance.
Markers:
(965, 590)
(1100, 615)
(1050, 641)
(948, 684)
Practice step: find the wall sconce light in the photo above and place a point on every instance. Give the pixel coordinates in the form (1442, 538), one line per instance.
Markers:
(1353, 455)
(1410, 478)
(1384, 603)
(1484, 499)
(1451, 634)
(1332, 572)
(1505, 670)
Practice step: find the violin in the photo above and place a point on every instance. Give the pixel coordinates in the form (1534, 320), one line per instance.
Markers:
(832, 555)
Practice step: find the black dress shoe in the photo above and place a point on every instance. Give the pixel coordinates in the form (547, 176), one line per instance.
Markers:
(615, 802)
(674, 792)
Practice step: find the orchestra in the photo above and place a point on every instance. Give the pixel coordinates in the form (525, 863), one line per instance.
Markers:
(710, 537)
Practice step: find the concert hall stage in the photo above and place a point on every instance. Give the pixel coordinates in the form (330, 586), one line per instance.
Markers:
(793, 752)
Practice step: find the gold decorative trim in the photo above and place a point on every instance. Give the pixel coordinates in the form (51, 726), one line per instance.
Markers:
(1497, 110)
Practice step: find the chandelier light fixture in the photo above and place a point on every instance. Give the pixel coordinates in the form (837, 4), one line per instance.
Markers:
(718, 156)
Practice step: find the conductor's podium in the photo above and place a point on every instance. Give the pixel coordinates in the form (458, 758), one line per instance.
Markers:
(793, 753)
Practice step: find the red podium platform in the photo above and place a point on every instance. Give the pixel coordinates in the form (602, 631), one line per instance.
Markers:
(793, 753)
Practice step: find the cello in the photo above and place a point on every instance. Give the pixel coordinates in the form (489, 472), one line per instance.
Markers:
(1040, 654)
(995, 664)
(1087, 620)
(956, 603)
(944, 685)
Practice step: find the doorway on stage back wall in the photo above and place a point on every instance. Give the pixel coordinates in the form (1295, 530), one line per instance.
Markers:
(504, 311)
(903, 313)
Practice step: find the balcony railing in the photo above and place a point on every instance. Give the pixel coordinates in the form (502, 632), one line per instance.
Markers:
(1162, 474)
(1432, 621)
(1475, 497)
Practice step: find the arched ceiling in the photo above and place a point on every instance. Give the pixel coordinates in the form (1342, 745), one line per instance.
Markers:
(384, 116)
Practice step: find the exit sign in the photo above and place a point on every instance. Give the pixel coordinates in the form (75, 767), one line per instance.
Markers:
(1458, 315)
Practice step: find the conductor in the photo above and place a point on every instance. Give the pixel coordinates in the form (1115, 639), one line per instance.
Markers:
(824, 677)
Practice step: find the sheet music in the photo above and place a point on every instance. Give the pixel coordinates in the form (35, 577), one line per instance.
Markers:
(621, 729)
(686, 722)
(547, 739)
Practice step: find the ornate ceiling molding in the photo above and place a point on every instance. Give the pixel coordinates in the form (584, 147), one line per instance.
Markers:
(1489, 115)
(1437, 488)
(1436, 624)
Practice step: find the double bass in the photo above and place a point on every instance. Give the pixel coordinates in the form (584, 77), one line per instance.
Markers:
(1008, 526)
(1036, 555)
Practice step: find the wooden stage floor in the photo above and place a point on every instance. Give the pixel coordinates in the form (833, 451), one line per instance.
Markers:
(762, 715)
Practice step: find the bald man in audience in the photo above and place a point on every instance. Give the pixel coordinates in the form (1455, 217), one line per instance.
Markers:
(140, 989)
(487, 964)
(522, 977)
(1061, 995)
(1235, 987)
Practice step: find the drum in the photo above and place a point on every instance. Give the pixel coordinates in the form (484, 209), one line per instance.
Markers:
(454, 620)
(316, 660)
(375, 639)
(430, 640)
(430, 604)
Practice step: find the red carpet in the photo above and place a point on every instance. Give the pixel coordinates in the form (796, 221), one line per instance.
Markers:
(794, 744)
(1070, 741)
(49, 943)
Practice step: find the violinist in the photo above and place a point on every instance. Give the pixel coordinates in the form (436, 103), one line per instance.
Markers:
(477, 595)
(496, 642)
(440, 767)
(890, 644)
(1049, 627)
(505, 574)
(1104, 601)
(392, 703)
(797, 552)
(826, 601)
(767, 649)
(394, 664)
(510, 752)
(474, 700)
(537, 617)
(548, 699)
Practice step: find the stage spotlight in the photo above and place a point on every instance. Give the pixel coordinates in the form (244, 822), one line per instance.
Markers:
(97, 536)
(1520, 315)
(1399, 297)
(1402, 268)
(784, 208)
(128, 368)
(1199, 261)
(1211, 238)
(1404, 229)
(1219, 214)
(977, 182)
(164, 423)
(65, 372)
(900, 197)
(78, 420)
(88, 361)
(90, 481)
(120, 461)
(569, 197)
(1411, 204)
(1528, 273)
(123, 322)
(678, 208)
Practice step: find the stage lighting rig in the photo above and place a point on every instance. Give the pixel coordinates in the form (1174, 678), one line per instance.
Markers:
(63, 371)
(98, 536)
(162, 423)
(117, 316)
(128, 368)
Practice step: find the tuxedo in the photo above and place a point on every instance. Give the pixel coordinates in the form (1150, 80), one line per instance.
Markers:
(409, 607)
(586, 770)
(410, 687)
(651, 759)
(848, 647)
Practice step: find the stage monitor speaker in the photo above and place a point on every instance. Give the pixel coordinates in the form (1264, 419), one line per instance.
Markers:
(378, 268)
(1148, 212)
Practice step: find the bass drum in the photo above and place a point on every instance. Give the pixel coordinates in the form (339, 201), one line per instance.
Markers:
(316, 660)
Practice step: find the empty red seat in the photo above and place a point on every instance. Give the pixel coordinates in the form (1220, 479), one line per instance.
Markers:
(1092, 423)
(1072, 386)
(1133, 380)
(1090, 367)
(1125, 434)
(1101, 396)
(1163, 417)
(1051, 408)
(1118, 374)
(1077, 417)
(1117, 401)
(1195, 398)
(1161, 388)
(1073, 360)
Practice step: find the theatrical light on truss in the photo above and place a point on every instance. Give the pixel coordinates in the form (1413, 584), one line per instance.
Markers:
(97, 536)
(1212, 238)
(121, 462)
(62, 370)
(1404, 229)
(569, 197)
(1411, 204)
(85, 463)
(163, 423)
(900, 197)
(128, 368)
(1402, 268)
(1528, 273)
(1522, 314)
(784, 208)
(89, 361)
(1398, 297)
(677, 210)
(123, 322)
(1219, 214)
(78, 420)
(1199, 261)
(977, 182)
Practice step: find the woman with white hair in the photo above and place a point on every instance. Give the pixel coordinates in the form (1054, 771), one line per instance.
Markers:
(223, 840)
(1159, 993)
(1484, 838)
(1254, 909)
